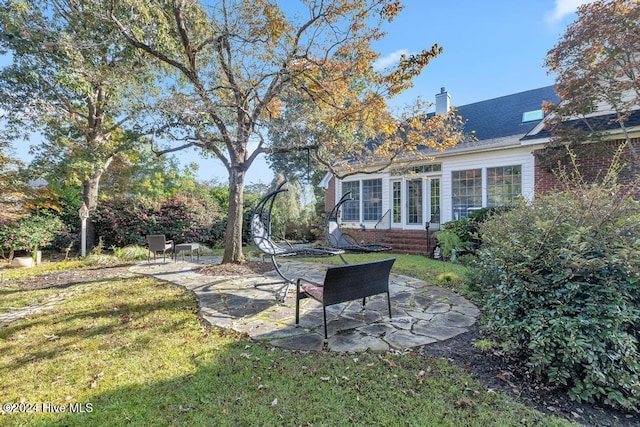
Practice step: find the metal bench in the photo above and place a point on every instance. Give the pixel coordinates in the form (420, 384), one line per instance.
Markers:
(346, 283)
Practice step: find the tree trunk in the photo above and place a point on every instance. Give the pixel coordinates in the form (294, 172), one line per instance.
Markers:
(90, 190)
(233, 236)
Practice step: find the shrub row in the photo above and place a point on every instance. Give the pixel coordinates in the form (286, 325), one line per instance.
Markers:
(124, 221)
(561, 290)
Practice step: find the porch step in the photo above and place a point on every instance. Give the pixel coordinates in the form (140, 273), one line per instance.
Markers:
(407, 242)
(413, 242)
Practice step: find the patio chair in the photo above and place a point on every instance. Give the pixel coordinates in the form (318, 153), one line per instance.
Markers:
(339, 240)
(263, 239)
(158, 243)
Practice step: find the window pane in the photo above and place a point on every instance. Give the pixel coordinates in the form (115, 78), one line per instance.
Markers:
(414, 201)
(435, 200)
(504, 184)
(467, 192)
(351, 209)
(397, 202)
(371, 199)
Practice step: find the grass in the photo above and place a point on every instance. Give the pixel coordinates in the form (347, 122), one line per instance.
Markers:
(417, 266)
(135, 351)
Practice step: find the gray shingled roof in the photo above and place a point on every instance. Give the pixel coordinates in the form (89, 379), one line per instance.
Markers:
(497, 118)
(599, 123)
(502, 117)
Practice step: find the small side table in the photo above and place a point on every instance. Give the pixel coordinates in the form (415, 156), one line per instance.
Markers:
(187, 247)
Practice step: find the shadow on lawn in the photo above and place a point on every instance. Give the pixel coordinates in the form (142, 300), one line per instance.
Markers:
(247, 384)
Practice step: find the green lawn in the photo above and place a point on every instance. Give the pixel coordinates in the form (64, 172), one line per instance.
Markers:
(135, 351)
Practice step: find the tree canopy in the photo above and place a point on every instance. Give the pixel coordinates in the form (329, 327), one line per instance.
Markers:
(597, 62)
(239, 64)
(74, 80)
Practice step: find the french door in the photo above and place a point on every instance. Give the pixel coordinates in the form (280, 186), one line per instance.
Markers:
(414, 201)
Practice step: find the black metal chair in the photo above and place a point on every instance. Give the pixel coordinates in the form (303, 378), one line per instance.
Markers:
(263, 239)
(339, 240)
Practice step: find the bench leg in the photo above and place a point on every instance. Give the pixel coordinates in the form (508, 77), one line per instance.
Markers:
(389, 303)
(324, 315)
(298, 301)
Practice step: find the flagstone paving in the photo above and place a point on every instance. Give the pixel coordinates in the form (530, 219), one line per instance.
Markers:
(421, 313)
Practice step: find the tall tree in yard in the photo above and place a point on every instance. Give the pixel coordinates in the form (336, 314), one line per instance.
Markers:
(72, 79)
(597, 62)
(238, 61)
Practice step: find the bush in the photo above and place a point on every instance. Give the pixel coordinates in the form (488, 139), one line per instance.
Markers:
(561, 290)
(124, 221)
(450, 244)
(29, 234)
(466, 231)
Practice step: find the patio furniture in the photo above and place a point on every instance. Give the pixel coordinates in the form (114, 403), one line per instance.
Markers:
(337, 239)
(183, 247)
(263, 239)
(346, 283)
(157, 243)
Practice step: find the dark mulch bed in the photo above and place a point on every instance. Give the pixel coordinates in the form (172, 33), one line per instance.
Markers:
(498, 374)
(249, 268)
(66, 278)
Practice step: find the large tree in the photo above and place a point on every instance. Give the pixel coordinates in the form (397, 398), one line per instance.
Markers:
(597, 63)
(237, 61)
(72, 79)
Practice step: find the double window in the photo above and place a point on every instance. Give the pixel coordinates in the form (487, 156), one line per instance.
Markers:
(472, 189)
(367, 199)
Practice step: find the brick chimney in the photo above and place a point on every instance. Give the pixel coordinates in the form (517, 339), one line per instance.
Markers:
(443, 101)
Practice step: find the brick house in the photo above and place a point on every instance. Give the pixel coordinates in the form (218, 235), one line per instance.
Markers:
(395, 207)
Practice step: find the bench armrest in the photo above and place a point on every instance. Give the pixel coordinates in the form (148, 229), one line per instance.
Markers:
(302, 279)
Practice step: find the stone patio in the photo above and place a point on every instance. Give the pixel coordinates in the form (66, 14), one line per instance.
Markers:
(421, 313)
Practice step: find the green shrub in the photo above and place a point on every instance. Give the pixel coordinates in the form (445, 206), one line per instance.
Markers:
(561, 290)
(466, 230)
(450, 243)
(130, 253)
(30, 234)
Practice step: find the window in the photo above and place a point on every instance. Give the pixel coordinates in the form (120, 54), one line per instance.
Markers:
(371, 199)
(397, 202)
(530, 116)
(351, 209)
(435, 200)
(414, 201)
(434, 167)
(466, 192)
(504, 184)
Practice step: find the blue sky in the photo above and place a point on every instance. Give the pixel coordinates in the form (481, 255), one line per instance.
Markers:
(491, 48)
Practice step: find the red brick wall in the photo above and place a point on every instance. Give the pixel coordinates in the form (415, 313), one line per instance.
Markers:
(593, 163)
(330, 195)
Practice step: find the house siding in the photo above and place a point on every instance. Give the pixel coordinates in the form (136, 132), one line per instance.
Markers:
(518, 156)
(509, 157)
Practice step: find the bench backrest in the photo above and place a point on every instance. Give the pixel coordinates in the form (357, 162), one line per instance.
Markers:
(354, 281)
